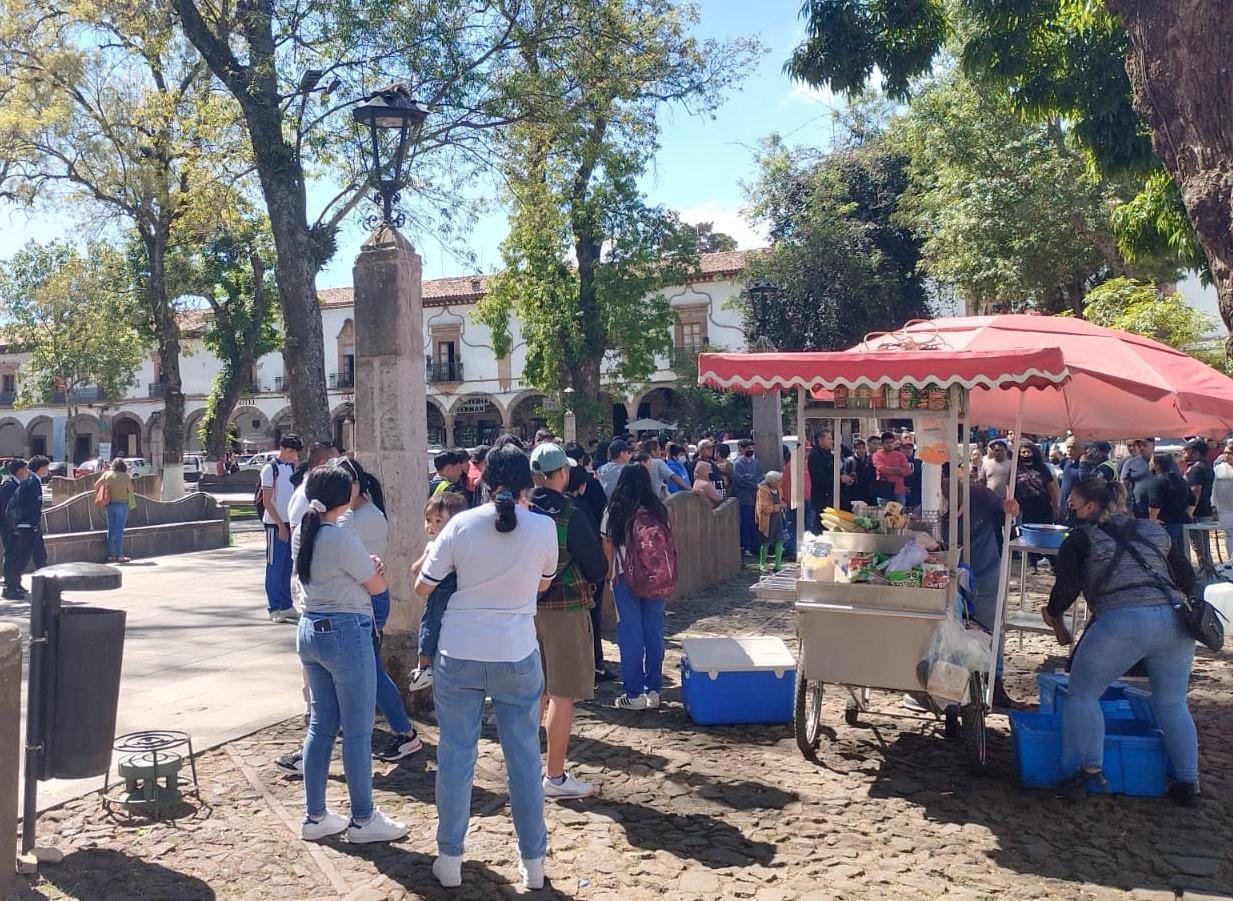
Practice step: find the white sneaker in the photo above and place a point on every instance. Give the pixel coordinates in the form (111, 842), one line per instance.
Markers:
(421, 678)
(282, 616)
(532, 873)
(652, 699)
(570, 788)
(625, 702)
(379, 828)
(448, 870)
(330, 823)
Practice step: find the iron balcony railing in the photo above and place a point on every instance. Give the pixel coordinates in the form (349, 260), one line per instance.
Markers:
(447, 371)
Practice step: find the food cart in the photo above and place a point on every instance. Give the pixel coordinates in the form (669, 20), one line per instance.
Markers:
(879, 633)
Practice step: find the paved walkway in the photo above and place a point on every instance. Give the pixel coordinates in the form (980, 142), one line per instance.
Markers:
(683, 812)
(200, 654)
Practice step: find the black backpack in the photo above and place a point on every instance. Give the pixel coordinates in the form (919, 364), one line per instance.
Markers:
(12, 507)
(258, 499)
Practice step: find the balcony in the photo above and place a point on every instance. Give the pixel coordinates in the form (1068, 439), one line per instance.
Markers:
(156, 389)
(7, 398)
(88, 394)
(449, 371)
(686, 356)
(342, 379)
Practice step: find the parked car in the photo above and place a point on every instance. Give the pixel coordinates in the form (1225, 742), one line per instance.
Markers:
(59, 468)
(258, 461)
(194, 466)
(86, 468)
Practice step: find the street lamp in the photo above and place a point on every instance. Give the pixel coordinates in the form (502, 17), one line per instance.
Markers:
(761, 292)
(392, 110)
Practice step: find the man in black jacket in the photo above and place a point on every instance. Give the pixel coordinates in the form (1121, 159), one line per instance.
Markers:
(27, 523)
(860, 476)
(821, 464)
(15, 474)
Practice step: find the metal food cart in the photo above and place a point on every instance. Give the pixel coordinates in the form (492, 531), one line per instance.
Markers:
(868, 636)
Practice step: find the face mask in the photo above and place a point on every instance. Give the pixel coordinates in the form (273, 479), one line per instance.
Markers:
(749, 453)
(681, 458)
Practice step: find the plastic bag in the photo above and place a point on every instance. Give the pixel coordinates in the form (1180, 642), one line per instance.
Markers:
(953, 653)
(909, 557)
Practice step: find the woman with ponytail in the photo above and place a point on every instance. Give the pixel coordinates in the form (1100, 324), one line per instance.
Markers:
(338, 579)
(503, 555)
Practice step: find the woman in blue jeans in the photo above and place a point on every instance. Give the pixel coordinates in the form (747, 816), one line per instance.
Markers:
(117, 486)
(1132, 620)
(338, 579)
(640, 621)
(504, 555)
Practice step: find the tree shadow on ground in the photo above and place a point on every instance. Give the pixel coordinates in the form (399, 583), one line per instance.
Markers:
(98, 874)
(413, 871)
(1117, 841)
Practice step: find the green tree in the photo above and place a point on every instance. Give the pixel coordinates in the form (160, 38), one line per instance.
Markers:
(72, 312)
(589, 108)
(108, 108)
(711, 241)
(237, 282)
(1138, 307)
(1134, 80)
(841, 264)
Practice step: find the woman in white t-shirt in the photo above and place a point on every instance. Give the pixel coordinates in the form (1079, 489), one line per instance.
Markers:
(504, 556)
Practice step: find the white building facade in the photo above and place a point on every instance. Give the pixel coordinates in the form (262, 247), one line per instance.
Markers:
(473, 395)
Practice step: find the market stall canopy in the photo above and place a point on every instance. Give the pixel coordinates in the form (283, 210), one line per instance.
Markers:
(650, 425)
(1121, 385)
(758, 373)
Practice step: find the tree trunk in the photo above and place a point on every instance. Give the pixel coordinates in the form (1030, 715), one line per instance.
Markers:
(584, 376)
(70, 431)
(218, 416)
(1179, 71)
(167, 336)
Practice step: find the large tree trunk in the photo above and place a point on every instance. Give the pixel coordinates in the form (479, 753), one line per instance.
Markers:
(1179, 72)
(167, 336)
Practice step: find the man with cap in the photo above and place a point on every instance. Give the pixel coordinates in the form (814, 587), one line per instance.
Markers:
(1096, 462)
(618, 456)
(562, 617)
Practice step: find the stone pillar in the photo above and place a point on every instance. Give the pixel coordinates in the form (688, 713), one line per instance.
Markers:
(768, 430)
(391, 418)
(10, 750)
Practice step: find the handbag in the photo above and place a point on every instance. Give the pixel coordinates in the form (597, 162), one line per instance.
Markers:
(1200, 619)
(102, 493)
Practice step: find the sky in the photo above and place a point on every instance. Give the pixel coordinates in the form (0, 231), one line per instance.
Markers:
(698, 170)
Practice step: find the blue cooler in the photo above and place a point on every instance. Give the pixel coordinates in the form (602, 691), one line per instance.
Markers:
(726, 681)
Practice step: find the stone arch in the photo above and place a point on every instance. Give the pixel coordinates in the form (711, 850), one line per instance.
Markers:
(527, 414)
(281, 424)
(475, 419)
(660, 402)
(251, 427)
(85, 439)
(192, 431)
(38, 435)
(12, 437)
(438, 433)
(126, 435)
(613, 413)
(343, 419)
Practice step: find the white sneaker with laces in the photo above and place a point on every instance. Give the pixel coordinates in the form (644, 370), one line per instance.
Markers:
(625, 702)
(570, 788)
(652, 699)
(421, 678)
(448, 870)
(379, 828)
(532, 873)
(329, 823)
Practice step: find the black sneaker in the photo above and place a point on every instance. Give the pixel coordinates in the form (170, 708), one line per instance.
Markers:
(1075, 787)
(399, 746)
(605, 675)
(14, 594)
(1184, 793)
(292, 763)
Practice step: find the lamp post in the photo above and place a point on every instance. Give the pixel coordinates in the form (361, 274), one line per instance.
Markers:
(761, 292)
(569, 423)
(391, 111)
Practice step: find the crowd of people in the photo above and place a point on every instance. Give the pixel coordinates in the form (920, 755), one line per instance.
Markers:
(524, 541)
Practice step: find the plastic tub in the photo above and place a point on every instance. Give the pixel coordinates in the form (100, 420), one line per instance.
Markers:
(1134, 761)
(1119, 702)
(1043, 534)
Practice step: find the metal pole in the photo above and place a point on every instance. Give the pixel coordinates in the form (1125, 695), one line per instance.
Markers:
(798, 469)
(1004, 564)
(34, 713)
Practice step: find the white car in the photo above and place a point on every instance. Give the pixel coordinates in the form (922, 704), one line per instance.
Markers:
(138, 466)
(258, 461)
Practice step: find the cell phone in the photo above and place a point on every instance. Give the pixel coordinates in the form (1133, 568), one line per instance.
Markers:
(323, 625)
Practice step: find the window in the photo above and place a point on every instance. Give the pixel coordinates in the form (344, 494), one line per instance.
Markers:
(10, 383)
(692, 335)
(691, 328)
(348, 363)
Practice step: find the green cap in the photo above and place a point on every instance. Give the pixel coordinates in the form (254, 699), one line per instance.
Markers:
(549, 457)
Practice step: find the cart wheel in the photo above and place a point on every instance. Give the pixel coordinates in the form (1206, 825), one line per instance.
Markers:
(852, 713)
(972, 727)
(951, 729)
(807, 712)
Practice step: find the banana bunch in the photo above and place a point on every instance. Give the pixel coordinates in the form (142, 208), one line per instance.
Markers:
(840, 520)
(893, 516)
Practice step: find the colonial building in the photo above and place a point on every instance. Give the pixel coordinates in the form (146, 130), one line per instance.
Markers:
(472, 394)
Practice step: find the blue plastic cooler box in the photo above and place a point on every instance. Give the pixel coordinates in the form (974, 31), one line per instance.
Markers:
(1119, 702)
(1135, 762)
(726, 681)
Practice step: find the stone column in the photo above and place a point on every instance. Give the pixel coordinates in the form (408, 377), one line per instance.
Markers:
(10, 751)
(768, 430)
(391, 418)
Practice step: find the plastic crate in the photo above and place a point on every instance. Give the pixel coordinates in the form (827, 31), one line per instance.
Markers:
(1134, 762)
(728, 681)
(1119, 702)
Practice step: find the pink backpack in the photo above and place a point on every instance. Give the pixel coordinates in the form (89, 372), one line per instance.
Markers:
(650, 557)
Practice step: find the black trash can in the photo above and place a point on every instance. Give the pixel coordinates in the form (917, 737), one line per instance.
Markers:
(85, 692)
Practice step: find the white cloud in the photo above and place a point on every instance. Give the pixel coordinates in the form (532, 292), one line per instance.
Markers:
(807, 94)
(729, 220)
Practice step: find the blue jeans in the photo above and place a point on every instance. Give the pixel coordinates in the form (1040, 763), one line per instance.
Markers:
(751, 538)
(640, 638)
(117, 519)
(1112, 644)
(389, 699)
(459, 687)
(984, 607)
(434, 610)
(277, 571)
(337, 658)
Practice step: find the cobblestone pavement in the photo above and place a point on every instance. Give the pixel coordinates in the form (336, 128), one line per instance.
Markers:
(685, 812)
